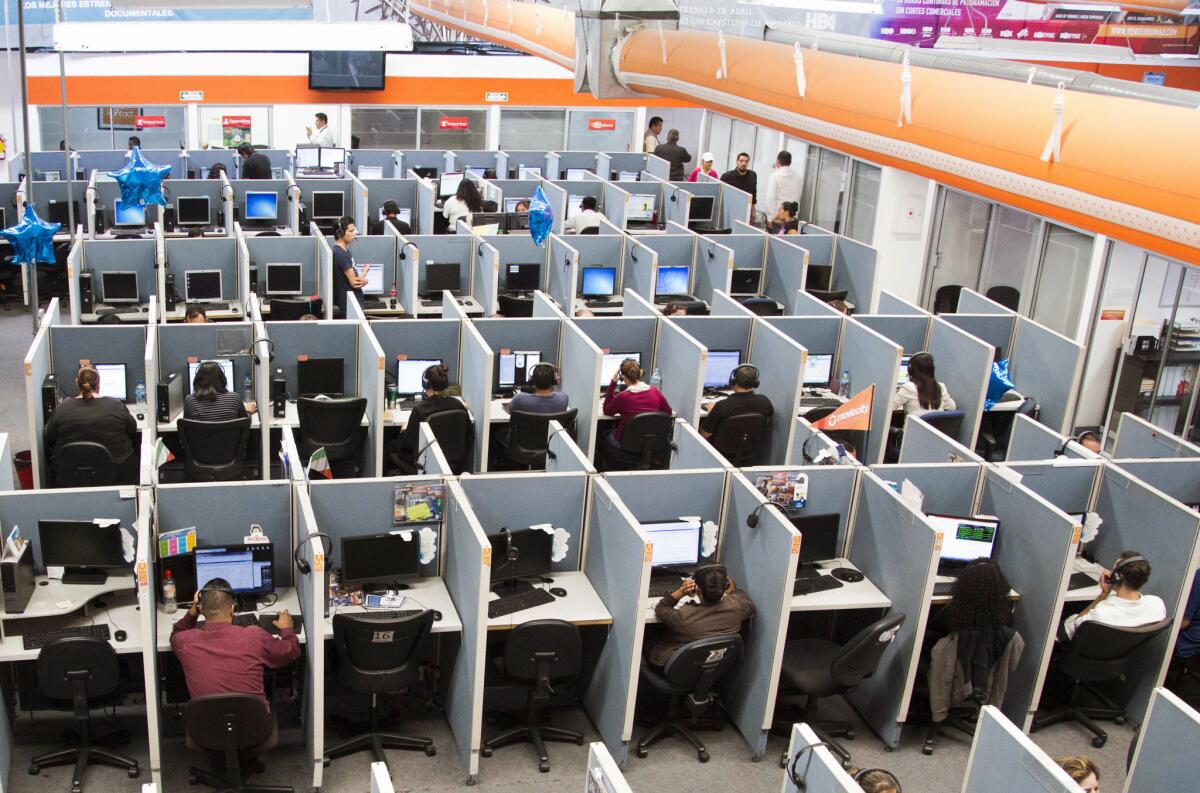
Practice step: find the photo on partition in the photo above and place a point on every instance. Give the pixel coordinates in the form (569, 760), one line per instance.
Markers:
(418, 504)
(780, 488)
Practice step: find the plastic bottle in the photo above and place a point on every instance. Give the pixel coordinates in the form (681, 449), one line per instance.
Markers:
(656, 378)
(247, 389)
(139, 393)
(844, 384)
(168, 585)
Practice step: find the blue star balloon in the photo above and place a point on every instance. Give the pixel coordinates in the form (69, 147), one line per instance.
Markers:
(541, 218)
(141, 181)
(32, 238)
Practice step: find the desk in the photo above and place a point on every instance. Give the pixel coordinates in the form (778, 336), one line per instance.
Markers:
(500, 414)
(291, 417)
(581, 606)
(613, 308)
(120, 613)
(1088, 593)
(817, 394)
(209, 232)
(430, 593)
(173, 424)
(850, 595)
(397, 417)
(141, 314)
(285, 598)
(1008, 405)
(282, 231)
(179, 313)
(430, 307)
(937, 600)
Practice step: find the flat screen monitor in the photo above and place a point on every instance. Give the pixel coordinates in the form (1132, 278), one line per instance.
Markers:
(285, 278)
(523, 276)
(192, 210)
(520, 554)
(308, 157)
(57, 212)
(576, 174)
(818, 369)
(425, 172)
(86, 549)
(380, 560)
(128, 215)
(574, 204)
(902, 377)
(641, 206)
(332, 156)
(328, 204)
(112, 380)
(818, 536)
(409, 374)
(610, 364)
(965, 539)
(440, 276)
(276, 172)
(627, 176)
(119, 286)
(676, 542)
(261, 206)
(315, 376)
(226, 365)
(359, 70)
(515, 367)
(529, 172)
(487, 222)
(516, 221)
(702, 208)
(480, 173)
(720, 366)
(744, 281)
(202, 286)
(249, 569)
(510, 204)
(672, 280)
(599, 281)
(374, 285)
(448, 183)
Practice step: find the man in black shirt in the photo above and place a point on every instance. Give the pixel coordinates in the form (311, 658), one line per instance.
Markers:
(255, 164)
(675, 154)
(403, 451)
(391, 214)
(743, 178)
(346, 278)
(742, 400)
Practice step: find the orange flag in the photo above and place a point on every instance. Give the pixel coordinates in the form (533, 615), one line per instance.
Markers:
(855, 414)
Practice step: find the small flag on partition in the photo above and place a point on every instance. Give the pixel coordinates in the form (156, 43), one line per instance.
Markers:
(319, 462)
(161, 453)
(854, 414)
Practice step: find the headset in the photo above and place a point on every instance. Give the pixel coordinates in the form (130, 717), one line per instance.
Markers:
(1077, 439)
(714, 566)
(343, 223)
(739, 367)
(326, 544)
(641, 371)
(425, 376)
(801, 784)
(543, 366)
(823, 457)
(1115, 578)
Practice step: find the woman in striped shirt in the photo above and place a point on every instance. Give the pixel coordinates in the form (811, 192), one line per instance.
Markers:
(211, 400)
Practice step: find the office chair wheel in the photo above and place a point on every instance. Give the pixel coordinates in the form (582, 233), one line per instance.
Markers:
(430, 751)
(193, 779)
(888, 749)
(1099, 742)
(486, 751)
(544, 768)
(1119, 720)
(783, 758)
(579, 741)
(927, 748)
(34, 769)
(134, 772)
(703, 756)
(849, 735)
(640, 753)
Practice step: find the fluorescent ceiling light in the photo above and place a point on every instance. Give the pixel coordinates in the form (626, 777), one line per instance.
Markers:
(251, 36)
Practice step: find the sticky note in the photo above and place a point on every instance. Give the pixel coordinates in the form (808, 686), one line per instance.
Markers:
(419, 511)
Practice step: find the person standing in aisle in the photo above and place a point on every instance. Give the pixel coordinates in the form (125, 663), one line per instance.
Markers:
(324, 134)
(650, 142)
(783, 185)
(706, 168)
(346, 277)
(743, 178)
(675, 154)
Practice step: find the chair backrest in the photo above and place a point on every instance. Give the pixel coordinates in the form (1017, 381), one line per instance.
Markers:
(214, 450)
(539, 651)
(76, 666)
(945, 301)
(647, 435)
(701, 664)
(334, 424)
(514, 306)
(379, 654)
(859, 657)
(84, 464)
(529, 433)
(742, 439)
(947, 422)
(1102, 652)
(1007, 296)
(209, 719)
(454, 434)
(285, 309)
(591, 230)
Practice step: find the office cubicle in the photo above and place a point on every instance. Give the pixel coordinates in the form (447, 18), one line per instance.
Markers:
(1138, 439)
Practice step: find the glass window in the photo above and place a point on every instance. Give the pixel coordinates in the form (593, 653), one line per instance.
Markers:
(957, 254)
(601, 129)
(864, 202)
(1008, 272)
(743, 139)
(685, 119)
(453, 128)
(720, 133)
(809, 192)
(1062, 280)
(532, 129)
(831, 184)
(384, 127)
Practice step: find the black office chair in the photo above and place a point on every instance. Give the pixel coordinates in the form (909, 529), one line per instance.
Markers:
(335, 425)
(688, 678)
(240, 729)
(528, 439)
(973, 663)
(1007, 296)
(545, 657)
(995, 430)
(1098, 653)
(591, 230)
(945, 300)
(214, 451)
(81, 672)
(515, 305)
(742, 439)
(645, 443)
(271, 233)
(287, 309)
(128, 237)
(455, 437)
(818, 669)
(828, 296)
(947, 422)
(379, 655)
(84, 464)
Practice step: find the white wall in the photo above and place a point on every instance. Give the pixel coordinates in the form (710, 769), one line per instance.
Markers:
(901, 229)
(290, 120)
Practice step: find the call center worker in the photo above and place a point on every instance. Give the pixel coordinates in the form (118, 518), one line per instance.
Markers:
(638, 397)
(922, 393)
(742, 400)
(98, 419)
(346, 277)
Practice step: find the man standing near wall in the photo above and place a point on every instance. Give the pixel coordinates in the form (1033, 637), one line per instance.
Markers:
(650, 142)
(324, 134)
(784, 184)
(675, 154)
(743, 178)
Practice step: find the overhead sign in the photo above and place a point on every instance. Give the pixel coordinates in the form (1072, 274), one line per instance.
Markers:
(602, 124)
(191, 96)
(496, 96)
(150, 122)
(235, 121)
(454, 122)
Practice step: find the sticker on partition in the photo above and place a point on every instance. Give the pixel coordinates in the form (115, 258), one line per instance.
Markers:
(400, 356)
(558, 551)
(382, 363)
(1075, 535)
(708, 538)
(1091, 526)
(605, 350)
(193, 359)
(428, 545)
(649, 556)
(796, 545)
(301, 358)
(787, 489)
(487, 557)
(319, 562)
(256, 536)
(85, 361)
(142, 576)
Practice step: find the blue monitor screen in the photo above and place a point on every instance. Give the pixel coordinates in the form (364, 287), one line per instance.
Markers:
(599, 281)
(672, 281)
(128, 214)
(262, 206)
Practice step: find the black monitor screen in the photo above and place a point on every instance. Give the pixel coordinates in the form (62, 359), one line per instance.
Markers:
(360, 71)
(440, 276)
(818, 536)
(57, 212)
(320, 376)
(119, 287)
(520, 554)
(81, 544)
(426, 172)
(328, 204)
(192, 211)
(201, 286)
(380, 559)
(523, 276)
(744, 282)
(702, 207)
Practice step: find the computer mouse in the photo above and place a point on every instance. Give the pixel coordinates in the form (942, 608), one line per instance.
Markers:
(141, 416)
(120, 636)
(437, 616)
(558, 592)
(847, 574)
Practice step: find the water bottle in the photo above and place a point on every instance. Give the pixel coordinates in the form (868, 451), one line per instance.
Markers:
(139, 393)
(168, 585)
(656, 378)
(247, 389)
(844, 384)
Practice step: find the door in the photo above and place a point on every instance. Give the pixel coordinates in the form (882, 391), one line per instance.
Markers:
(956, 256)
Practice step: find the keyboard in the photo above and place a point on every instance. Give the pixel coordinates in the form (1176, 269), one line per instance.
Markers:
(394, 614)
(1081, 581)
(943, 588)
(530, 598)
(819, 402)
(121, 310)
(820, 583)
(600, 303)
(36, 641)
(217, 306)
(406, 404)
(664, 585)
(370, 304)
(265, 620)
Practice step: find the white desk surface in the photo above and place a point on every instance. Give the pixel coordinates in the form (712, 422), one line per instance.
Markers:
(581, 606)
(850, 595)
(1013, 595)
(430, 593)
(500, 414)
(121, 613)
(817, 394)
(1088, 593)
(1008, 405)
(399, 418)
(179, 314)
(286, 598)
(52, 597)
(468, 304)
(131, 318)
(614, 308)
(173, 424)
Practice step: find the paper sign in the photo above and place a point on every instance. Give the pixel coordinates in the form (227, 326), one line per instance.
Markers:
(142, 577)
(174, 543)
(649, 556)
(319, 562)
(454, 122)
(419, 511)
(401, 356)
(487, 557)
(602, 124)
(505, 351)
(150, 122)
(495, 96)
(1112, 314)
(301, 357)
(55, 573)
(191, 96)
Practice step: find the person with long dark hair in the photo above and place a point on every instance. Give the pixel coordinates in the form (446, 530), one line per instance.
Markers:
(211, 399)
(465, 201)
(98, 419)
(978, 601)
(922, 393)
(786, 219)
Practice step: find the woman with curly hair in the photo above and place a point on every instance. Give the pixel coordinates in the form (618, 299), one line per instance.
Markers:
(978, 601)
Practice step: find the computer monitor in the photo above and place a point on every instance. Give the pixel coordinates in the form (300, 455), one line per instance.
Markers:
(610, 364)
(516, 221)
(409, 374)
(58, 212)
(315, 376)
(720, 366)
(226, 365)
(818, 369)
(112, 380)
(440, 276)
(192, 210)
(328, 204)
(576, 174)
(261, 206)
(965, 539)
(425, 172)
(249, 569)
(515, 367)
(902, 377)
(285, 278)
(818, 539)
(524, 277)
(510, 204)
(627, 176)
(332, 157)
(676, 542)
(487, 223)
(529, 172)
(574, 204)
(672, 280)
(524, 553)
(702, 209)
(641, 206)
(128, 215)
(599, 281)
(85, 549)
(404, 214)
(374, 285)
(477, 171)
(448, 183)
(308, 157)
(380, 560)
(744, 281)
(119, 286)
(202, 286)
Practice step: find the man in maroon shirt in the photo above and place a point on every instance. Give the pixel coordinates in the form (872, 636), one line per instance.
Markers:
(638, 397)
(222, 658)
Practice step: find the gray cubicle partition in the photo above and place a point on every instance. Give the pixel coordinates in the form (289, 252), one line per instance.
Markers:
(809, 759)
(402, 191)
(546, 308)
(1003, 759)
(1030, 440)
(404, 339)
(601, 250)
(638, 306)
(219, 214)
(178, 344)
(855, 269)
(516, 501)
(310, 186)
(762, 562)
(581, 379)
(424, 158)
(691, 451)
(971, 302)
(780, 362)
(202, 160)
(831, 491)
(719, 333)
(964, 366)
(810, 445)
(115, 159)
(562, 280)
(526, 334)
(653, 496)
(138, 256)
(819, 243)
(375, 158)
(324, 269)
(1179, 478)
(722, 305)
(892, 304)
(994, 329)
(639, 268)
(1071, 488)
(672, 250)
(426, 199)
(41, 162)
(681, 359)
(211, 253)
(785, 270)
(617, 564)
(946, 488)
(924, 444)
(271, 250)
(323, 339)
(736, 206)
(714, 264)
(556, 199)
(379, 252)
(311, 591)
(870, 358)
(624, 335)
(616, 203)
(817, 334)
(24, 508)
(45, 194)
(563, 454)
(6, 473)
(1047, 366)
(911, 332)
(71, 344)
(371, 380)
(1163, 759)
(1138, 439)
(809, 305)
(479, 359)
(530, 158)
(461, 160)
(443, 249)
(485, 276)
(37, 365)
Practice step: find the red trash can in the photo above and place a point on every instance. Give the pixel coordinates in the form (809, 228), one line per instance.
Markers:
(23, 463)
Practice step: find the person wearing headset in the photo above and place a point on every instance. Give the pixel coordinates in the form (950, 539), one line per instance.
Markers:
(436, 380)
(211, 400)
(721, 610)
(1120, 602)
(544, 398)
(346, 277)
(1083, 771)
(219, 657)
(744, 380)
(922, 393)
(98, 419)
(391, 214)
(1090, 441)
(875, 780)
(638, 397)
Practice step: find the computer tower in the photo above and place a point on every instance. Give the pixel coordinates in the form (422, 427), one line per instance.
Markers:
(100, 227)
(170, 397)
(49, 396)
(86, 297)
(278, 394)
(168, 215)
(304, 219)
(169, 286)
(254, 279)
(221, 218)
(17, 579)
